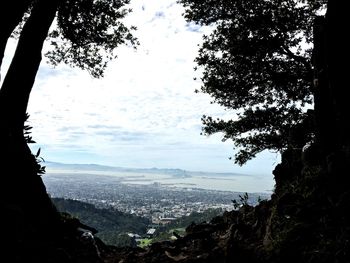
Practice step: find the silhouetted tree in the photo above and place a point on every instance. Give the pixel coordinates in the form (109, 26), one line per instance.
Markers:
(332, 91)
(337, 69)
(257, 64)
(82, 33)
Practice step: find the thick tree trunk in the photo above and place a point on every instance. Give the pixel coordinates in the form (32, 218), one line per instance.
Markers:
(332, 92)
(337, 55)
(21, 74)
(11, 13)
(22, 189)
(323, 95)
(331, 78)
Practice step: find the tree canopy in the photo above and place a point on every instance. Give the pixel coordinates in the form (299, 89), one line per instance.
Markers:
(257, 64)
(85, 32)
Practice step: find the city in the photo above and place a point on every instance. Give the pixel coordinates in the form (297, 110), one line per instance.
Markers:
(157, 202)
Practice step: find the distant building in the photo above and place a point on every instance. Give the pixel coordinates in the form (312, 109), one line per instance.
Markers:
(150, 232)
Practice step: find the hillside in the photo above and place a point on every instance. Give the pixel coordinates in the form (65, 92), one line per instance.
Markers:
(110, 223)
(306, 220)
(112, 226)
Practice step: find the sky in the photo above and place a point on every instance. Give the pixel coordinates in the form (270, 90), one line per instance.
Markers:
(144, 113)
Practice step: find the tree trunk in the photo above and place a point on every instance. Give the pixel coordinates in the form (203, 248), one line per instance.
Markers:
(323, 95)
(21, 74)
(337, 61)
(21, 187)
(11, 13)
(332, 93)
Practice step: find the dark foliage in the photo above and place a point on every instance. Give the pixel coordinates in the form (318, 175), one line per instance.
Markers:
(88, 32)
(257, 64)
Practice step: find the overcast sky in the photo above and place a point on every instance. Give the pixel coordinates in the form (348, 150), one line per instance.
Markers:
(144, 112)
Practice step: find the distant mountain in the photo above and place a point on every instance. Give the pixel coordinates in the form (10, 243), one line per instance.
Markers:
(83, 167)
(97, 167)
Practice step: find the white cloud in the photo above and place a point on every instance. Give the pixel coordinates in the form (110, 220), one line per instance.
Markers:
(144, 112)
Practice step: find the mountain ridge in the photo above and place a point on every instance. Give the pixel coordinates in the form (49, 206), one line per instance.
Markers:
(153, 170)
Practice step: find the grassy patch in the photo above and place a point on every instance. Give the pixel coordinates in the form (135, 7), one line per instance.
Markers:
(145, 242)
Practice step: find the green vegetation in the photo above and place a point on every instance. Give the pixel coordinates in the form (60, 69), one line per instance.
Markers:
(196, 217)
(111, 224)
(145, 242)
(179, 226)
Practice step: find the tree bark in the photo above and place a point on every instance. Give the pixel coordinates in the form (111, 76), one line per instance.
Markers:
(331, 85)
(323, 94)
(21, 74)
(11, 13)
(21, 186)
(337, 20)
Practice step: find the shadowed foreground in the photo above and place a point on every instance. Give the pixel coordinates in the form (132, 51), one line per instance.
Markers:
(306, 220)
